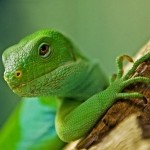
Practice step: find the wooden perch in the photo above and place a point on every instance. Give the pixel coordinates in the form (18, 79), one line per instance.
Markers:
(119, 129)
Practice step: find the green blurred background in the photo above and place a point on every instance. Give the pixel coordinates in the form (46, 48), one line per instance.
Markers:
(102, 29)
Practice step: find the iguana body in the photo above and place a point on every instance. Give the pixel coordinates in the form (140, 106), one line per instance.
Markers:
(23, 129)
(46, 63)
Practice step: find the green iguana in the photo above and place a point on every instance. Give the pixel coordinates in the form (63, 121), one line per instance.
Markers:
(44, 64)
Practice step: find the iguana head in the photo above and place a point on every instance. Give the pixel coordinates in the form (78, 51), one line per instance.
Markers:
(39, 64)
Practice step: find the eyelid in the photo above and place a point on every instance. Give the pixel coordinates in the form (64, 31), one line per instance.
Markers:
(50, 51)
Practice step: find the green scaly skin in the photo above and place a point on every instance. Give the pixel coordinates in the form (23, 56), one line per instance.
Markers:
(46, 63)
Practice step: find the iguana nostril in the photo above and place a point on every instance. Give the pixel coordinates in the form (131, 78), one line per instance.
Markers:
(18, 74)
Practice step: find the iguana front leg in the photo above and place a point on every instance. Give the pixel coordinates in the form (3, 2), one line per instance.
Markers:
(76, 120)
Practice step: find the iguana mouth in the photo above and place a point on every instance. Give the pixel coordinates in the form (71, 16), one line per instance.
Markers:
(19, 88)
(28, 82)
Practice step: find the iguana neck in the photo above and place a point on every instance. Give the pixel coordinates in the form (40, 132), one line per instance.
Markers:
(94, 80)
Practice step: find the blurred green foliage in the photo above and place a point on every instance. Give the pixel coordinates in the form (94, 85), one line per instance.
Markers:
(102, 29)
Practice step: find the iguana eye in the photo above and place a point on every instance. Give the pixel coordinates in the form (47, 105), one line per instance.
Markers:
(44, 50)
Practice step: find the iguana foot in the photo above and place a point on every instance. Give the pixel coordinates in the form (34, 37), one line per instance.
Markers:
(121, 81)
